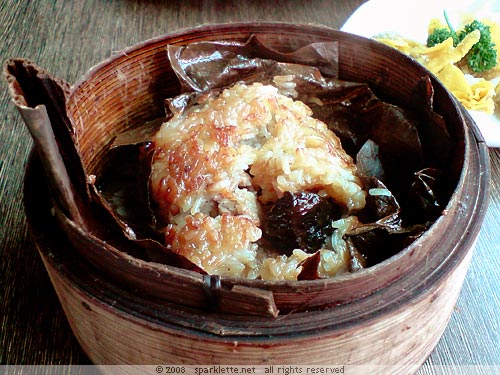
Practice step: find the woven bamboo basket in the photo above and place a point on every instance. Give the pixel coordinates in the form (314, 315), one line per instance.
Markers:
(127, 310)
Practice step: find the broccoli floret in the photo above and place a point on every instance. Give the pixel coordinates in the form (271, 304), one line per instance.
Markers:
(483, 55)
(438, 36)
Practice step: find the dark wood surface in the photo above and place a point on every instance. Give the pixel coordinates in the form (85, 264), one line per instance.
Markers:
(69, 37)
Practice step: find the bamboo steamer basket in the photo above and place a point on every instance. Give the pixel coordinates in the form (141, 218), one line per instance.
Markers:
(124, 310)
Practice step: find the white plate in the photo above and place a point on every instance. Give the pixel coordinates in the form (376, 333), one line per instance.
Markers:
(410, 20)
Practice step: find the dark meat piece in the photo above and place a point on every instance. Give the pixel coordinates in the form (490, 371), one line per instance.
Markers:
(310, 267)
(300, 220)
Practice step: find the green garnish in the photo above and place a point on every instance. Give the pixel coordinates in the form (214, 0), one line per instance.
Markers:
(441, 34)
(483, 55)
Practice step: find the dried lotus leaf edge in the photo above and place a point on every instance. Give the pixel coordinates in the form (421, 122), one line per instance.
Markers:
(40, 99)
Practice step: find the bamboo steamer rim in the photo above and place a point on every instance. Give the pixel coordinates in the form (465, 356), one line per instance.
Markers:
(234, 32)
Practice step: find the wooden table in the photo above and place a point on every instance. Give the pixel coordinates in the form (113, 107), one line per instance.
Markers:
(69, 37)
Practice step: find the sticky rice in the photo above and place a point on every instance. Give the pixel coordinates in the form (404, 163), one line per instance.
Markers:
(218, 164)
